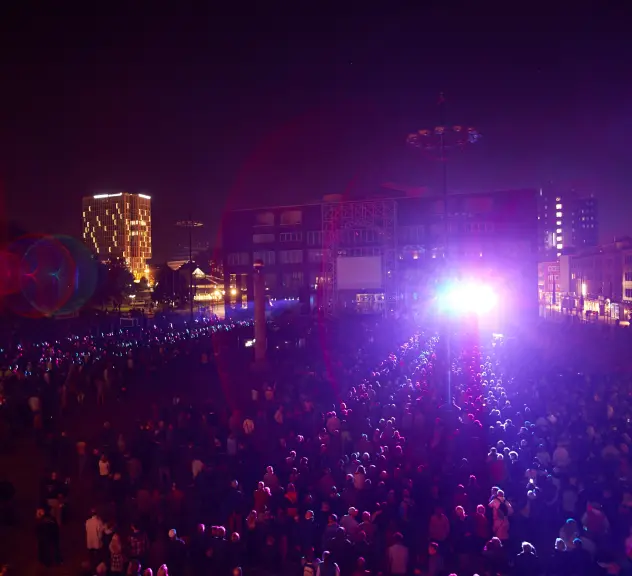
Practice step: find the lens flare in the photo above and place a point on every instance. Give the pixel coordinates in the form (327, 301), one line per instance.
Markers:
(468, 298)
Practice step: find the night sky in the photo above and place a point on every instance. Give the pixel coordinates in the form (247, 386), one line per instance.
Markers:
(214, 108)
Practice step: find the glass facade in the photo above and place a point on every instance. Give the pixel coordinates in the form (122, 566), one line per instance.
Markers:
(119, 226)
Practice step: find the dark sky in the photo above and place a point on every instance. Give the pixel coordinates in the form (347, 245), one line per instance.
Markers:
(229, 104)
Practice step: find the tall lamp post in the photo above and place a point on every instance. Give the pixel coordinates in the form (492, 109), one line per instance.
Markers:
(259, 286)
(437, 142)
(190, 225)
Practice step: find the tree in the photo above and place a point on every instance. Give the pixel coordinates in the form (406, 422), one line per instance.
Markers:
(170, 286)
(101, 295)
(119, 281)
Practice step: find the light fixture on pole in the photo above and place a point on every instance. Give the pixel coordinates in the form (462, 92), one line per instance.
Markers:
(437, 142)
(190, 225)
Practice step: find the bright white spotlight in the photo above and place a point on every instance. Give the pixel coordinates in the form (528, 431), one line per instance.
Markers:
(469, 298)
(483, 299)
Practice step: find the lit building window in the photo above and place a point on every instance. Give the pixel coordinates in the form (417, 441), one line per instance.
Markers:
(558, 206)
(558, 214)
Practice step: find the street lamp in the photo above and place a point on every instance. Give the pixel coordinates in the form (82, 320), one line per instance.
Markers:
(190, 225)
(437, 142)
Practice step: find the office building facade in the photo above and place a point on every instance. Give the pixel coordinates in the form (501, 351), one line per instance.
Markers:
(118, 225)
(585, 222)
(391, 247)
(566, 219)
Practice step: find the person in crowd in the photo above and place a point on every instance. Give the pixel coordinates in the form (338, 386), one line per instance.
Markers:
(495, 556)
(527, 561)
(398, 557)
(439, 527)
(95, 530)
(117, 560)
(48, 545)
(436, 562)
(176, 552)
(328, 567)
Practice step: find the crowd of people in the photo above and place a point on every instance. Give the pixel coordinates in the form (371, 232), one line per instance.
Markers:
(472, 458)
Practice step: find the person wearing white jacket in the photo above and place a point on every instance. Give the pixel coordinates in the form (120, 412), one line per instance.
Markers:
(94, 533)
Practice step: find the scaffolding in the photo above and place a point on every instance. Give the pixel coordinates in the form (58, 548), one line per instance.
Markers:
(379, 215)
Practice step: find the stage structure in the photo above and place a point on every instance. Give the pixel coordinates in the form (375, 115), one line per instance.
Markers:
(342, 219)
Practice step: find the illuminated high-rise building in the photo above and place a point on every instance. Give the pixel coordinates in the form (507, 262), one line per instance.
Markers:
(566, 219)
(118, 225)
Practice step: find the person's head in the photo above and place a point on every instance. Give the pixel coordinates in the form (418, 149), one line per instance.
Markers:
(494, 543)
(353, 512)
(571, 524)
(172, 535)
(237, 571)
(460, 512)
(366, 516)
(360, 563)
(527, 548)
(398, 538)
(560, 545)
(235, 537)
(480, 509)
(433, 548)
(163, 570)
